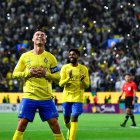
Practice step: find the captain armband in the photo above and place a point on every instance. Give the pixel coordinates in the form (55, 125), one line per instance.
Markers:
(55, 69)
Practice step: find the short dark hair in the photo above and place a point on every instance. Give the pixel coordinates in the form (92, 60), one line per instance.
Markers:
(129, 74)
(38, 28)
(75, 50)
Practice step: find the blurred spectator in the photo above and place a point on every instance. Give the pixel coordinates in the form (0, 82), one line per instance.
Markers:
(55, 100)
(7, 99)
(18, 99)
(87, 100)
(136, 99)
(4, 99)
(105, 100)
(95, 103)
(109, 99)
(118, 84)
(95, 100)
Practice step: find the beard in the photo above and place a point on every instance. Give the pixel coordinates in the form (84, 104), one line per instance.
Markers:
(73, 60)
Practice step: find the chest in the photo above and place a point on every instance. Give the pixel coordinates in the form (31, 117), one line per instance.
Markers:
(37, 61)
(128, 87)
(76, 72)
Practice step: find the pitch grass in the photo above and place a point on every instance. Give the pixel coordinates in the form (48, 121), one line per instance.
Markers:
(91, 127)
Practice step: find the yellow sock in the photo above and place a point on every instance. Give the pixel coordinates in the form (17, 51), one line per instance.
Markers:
(58, 136)
(18, 135)
(68, 125)
(73, 129)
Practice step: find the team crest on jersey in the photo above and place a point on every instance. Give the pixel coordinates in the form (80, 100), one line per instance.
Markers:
(46, 60)
(29, 62)
(81, 72)
(129, 88)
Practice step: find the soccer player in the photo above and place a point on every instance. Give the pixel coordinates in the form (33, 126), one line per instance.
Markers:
(129, 89)
(74, 79)
(38, 68)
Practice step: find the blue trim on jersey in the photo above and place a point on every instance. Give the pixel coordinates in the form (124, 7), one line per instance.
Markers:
(55, 69)
(45, 108)
(72, 108)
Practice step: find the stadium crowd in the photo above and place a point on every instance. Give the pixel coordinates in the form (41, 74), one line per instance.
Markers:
(105, 31)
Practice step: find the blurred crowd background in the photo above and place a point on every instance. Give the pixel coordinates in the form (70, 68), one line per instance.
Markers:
(106, 32)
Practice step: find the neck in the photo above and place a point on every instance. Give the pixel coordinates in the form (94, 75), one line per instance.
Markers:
(38, 50)
(74, 65)
(128, 81)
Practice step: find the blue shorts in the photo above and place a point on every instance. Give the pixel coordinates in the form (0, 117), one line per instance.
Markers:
(72, 108)
(29, 107)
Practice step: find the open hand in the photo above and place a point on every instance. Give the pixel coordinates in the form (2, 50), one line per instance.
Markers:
(82, 77)
(70, 73)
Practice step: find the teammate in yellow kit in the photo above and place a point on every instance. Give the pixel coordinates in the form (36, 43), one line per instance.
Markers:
(38, 68)
(74, 79)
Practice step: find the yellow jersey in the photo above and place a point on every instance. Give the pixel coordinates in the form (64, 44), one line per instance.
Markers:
(73, 87)
(33, 87)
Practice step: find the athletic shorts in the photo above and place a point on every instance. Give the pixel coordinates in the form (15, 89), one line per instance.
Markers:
(128, 102)
(72, 108)
(45, 108)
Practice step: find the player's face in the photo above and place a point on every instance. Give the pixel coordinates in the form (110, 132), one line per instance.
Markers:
(127, 78)
(39, 38)
(73, 57)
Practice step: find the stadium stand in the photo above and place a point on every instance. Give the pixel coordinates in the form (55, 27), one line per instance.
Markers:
(105, 31)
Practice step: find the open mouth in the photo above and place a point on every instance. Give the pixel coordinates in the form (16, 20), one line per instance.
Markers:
(71, 58)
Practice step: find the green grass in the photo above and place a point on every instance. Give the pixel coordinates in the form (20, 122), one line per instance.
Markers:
(91, 127)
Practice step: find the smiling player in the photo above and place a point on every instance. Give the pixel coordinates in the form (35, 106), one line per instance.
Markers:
(38, 68)
(74, 79)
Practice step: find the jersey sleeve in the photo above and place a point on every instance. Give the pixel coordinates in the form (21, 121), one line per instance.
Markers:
(85, 81)
(54, 66)
(55, 74)
(64, 79)
(20, 71)
(134, 86)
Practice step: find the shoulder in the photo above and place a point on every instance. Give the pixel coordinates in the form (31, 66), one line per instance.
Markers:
(48, 53)
(25, 55)
(83, 66)
(133, 83)
(66, 66)
(124, 84)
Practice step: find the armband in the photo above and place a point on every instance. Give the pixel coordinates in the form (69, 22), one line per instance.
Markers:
(55, 69)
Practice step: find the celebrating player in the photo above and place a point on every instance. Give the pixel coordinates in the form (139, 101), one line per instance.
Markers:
(74, 79)
(38, 68)
(129, 88)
